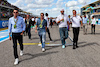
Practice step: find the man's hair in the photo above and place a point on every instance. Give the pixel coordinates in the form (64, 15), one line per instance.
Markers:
(15, 9)
(74, 10)
(42, 13)
(46, 14)
(93, 16)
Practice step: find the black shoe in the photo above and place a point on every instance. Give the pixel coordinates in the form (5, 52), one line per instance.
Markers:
(74, 47)
(30, 38)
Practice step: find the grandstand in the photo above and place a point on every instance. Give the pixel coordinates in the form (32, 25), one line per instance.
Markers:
(6, 10)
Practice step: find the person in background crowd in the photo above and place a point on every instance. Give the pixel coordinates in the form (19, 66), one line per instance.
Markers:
(48, 31)
(85, 25)
(28, 22)
(69, 22)
(93, 23)
(51, 22)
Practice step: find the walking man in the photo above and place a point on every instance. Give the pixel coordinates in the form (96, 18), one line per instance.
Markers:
(76, 27)
(93, 25)
(29, 22)
(51, 22)
(41, 26)
(62, 20)
(85, 25)
(47, 19)
(16, 27)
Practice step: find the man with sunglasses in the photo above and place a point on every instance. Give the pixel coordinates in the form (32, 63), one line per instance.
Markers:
(62, 20)
(41, 26)
(16, 26)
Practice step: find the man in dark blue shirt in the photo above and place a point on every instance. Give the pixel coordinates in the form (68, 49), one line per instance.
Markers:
(41, 26)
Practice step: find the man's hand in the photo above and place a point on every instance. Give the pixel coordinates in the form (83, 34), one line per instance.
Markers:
(9, 38)
(35, 31)
(61, 19)
(21, 33)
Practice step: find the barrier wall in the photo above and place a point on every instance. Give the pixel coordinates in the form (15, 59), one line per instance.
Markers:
(3, 24)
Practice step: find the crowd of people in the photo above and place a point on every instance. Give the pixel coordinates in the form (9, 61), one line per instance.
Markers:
(17, 26)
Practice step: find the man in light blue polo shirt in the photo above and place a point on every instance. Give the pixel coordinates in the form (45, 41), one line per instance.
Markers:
(16, 26)
(41, 26)
(85, 25)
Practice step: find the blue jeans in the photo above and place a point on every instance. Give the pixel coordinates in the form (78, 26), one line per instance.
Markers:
(42, 35)
(63, 34)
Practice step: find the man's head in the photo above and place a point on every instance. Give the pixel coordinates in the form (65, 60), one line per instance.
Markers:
(27, 16)
(62, 11)
(42, 15)
(46, 14)
(15, 12)
(74, 12)
(69, 16)
(92, 17)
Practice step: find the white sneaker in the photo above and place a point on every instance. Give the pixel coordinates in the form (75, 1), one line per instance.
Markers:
(21, 53)
(40, 44)
(43, 49)
(16, 61)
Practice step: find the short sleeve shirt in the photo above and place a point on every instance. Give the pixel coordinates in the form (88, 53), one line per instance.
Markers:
(76, 21)
(62, 23)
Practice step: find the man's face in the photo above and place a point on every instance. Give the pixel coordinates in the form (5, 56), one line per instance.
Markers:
(74, 12)
(42, 16)
(28, 16)
(15, 13)
(85, 16)
(62, 12)
(69, 16)
(92, 17)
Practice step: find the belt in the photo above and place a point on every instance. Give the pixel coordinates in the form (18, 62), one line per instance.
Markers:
(63, 27)
(16, 33)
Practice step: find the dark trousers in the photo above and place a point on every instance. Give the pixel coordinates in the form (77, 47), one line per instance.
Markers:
(93, 28)
(49, 33)
(15, 37)
(28, 30)
(51, 25)
(75, 34)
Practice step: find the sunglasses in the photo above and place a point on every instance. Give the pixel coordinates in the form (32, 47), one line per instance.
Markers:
(42, 15)
(15, 12)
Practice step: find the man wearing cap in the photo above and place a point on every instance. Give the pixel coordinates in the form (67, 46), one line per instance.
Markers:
(62, 20)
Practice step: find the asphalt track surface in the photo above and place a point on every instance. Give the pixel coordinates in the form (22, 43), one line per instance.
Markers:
(87, 55)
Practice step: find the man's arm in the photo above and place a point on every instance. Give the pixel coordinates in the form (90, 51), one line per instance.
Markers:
(81, 23)
(24, 26)
(58, 20)
(9, 29)
(36, 29)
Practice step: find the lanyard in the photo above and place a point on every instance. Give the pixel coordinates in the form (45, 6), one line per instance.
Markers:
(15, 26)
(41, 24)
(15, 21)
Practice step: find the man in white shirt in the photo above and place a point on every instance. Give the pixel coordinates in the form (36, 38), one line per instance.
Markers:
(76, 27)
(93, 20)
(62, 20)
(47, 19)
